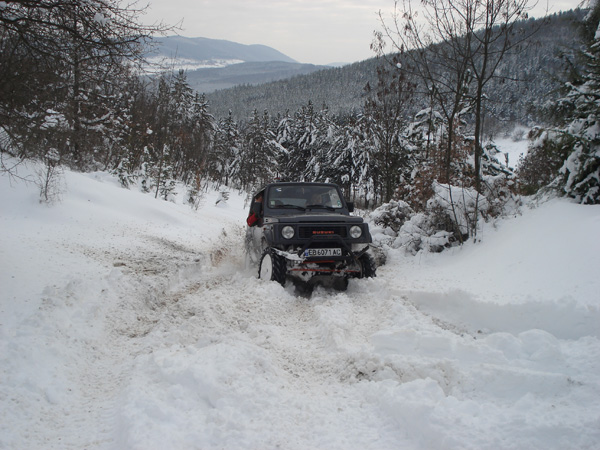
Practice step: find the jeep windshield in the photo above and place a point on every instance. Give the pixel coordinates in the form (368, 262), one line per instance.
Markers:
(304, 197)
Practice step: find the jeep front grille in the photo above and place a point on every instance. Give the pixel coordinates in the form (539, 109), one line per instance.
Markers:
(306, 232)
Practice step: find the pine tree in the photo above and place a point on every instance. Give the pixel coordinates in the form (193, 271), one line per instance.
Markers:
(364, 149)
(320, 145)
(570, 152)
(286, 138)
(163, 181)
(227, 146)
(306, 137)
(199, 149)
(260, 152)
(340, 166)
(580, 174)
(179, 120)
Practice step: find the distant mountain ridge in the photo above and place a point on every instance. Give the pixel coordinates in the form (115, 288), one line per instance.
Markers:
(204, 49)
(214, 64)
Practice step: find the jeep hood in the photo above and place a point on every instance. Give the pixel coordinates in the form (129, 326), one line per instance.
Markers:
(317, 217)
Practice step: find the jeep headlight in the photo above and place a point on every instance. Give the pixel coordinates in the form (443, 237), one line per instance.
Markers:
(355, 232)
(287, 232)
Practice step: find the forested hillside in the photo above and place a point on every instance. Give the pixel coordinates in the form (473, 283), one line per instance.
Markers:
(208, 80)
(342, 89)
(531, 76)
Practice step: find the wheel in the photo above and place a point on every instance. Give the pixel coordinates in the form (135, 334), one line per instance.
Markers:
(272, 267)
(340, 284)
(367, 265)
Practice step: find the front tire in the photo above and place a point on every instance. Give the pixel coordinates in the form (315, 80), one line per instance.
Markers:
(272, 267)
(340, 283)
(367, 265)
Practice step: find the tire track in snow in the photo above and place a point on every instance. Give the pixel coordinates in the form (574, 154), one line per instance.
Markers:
(180, 322)
(303, 343)
(312, 360)
(96, 328)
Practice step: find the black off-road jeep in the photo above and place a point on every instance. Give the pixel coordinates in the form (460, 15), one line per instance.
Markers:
(304, 231)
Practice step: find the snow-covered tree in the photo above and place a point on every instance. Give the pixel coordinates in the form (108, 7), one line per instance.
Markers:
(340, 166)
(320, 147)
(580, 174)
(225, 150)
(260, 153)
(70, 57)
(307, 140)
(286, 138)
(202, 131)
(570, 152)
(388, 108)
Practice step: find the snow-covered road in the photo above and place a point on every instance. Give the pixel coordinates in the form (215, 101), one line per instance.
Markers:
(127, 322)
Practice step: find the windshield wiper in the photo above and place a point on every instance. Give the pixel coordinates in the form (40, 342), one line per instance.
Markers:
(330, 208)
(287, 205)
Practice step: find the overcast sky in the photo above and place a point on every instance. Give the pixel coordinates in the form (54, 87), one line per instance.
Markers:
(309, 31)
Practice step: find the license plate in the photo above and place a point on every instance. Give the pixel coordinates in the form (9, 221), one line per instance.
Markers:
(323, 252)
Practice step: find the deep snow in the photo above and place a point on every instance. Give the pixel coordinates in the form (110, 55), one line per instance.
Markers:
(130, 322)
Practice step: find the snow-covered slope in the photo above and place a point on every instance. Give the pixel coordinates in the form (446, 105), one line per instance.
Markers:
(130, 322)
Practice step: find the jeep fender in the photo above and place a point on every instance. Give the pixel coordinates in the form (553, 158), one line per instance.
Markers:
(268, 236)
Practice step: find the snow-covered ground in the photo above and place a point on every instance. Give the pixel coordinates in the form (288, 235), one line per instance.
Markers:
(157, 64)
(131, 323)
(513, 146)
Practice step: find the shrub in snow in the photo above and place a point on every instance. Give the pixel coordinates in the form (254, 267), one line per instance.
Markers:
(457, 209)
(125, 173)
(49, 177)
(166, 189)
(158, 175)
(222, 198)
(6, 144)
(420, 234)
(195, 193)
(546, 155)
(450, 217)
(498, 184)
(392, 215)
(144, 186)
(518, 134)
(580, 174)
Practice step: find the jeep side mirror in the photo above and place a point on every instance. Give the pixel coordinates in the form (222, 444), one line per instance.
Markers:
(350, 206)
